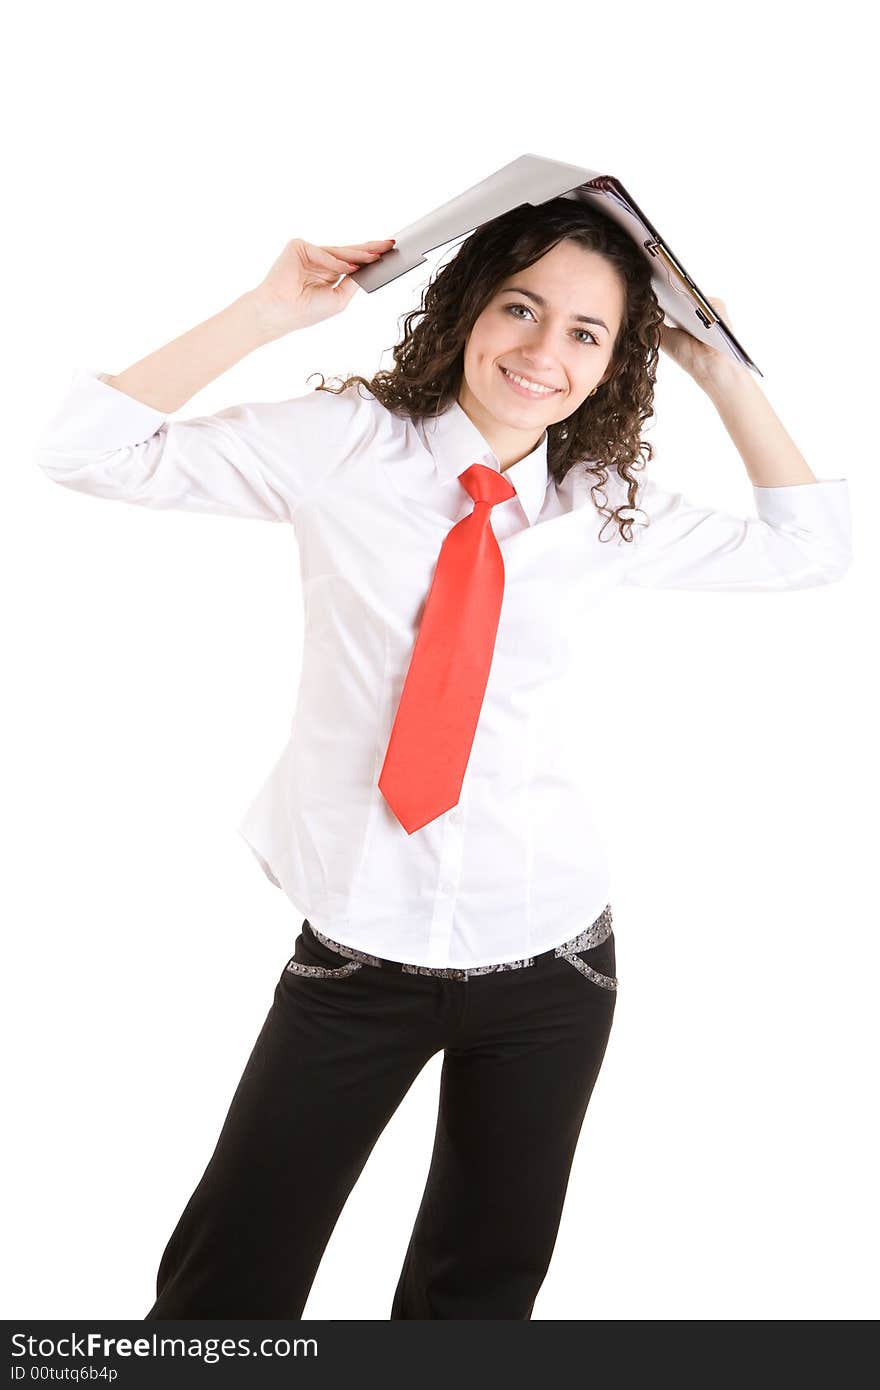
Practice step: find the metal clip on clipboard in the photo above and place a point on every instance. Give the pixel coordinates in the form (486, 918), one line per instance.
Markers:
(534, 180)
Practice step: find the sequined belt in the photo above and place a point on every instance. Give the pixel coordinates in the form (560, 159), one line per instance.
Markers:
(592, 935)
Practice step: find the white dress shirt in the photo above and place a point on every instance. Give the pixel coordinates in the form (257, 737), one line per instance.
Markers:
(519, 865)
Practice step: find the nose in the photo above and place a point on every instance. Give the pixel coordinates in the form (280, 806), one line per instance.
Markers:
(541, 365)
(536, 350)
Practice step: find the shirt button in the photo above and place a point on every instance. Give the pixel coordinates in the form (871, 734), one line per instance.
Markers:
(446, 887)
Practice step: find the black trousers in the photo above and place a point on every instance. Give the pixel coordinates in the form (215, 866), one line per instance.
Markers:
(344, 1039)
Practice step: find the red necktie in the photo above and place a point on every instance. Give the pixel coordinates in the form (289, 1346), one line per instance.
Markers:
(443, 692)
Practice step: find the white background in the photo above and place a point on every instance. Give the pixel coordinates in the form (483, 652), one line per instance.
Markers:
(158, 159)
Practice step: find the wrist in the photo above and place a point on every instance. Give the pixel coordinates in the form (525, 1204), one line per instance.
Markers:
(268, 321)
(726, 378)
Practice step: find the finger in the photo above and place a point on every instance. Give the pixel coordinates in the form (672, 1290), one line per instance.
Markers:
(345, 290)
(324, 257)
(368, 250)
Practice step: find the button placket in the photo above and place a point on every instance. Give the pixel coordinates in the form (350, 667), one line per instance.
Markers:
(453, 851)
(448, 879)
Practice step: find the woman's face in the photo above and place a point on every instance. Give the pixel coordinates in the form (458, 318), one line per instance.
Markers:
(535, 326)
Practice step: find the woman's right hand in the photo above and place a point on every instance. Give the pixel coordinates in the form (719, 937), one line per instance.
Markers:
(300, 289)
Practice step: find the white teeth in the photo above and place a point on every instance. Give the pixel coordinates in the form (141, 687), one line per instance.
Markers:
(529, 385)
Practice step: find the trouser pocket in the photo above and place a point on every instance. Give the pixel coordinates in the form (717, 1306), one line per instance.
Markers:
(598, 964)
(312, 957)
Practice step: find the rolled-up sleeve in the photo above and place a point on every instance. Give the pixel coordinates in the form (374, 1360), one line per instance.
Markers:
(259, 461)
(800, 538)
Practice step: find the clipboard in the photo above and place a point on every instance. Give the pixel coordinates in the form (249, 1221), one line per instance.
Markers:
(533, 179)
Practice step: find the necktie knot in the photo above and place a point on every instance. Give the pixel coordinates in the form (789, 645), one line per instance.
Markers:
(485, 484)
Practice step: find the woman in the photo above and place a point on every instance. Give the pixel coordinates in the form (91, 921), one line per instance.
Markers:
(455, 882)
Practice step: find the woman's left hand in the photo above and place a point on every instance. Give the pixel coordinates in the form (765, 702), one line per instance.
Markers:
(698, 359)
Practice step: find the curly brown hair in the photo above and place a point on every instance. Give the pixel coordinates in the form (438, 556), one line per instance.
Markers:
(605, 430)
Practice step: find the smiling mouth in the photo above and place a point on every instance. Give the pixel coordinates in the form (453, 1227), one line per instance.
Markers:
(525, 384)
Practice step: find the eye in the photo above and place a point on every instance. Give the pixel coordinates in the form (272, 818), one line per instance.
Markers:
(592, 336)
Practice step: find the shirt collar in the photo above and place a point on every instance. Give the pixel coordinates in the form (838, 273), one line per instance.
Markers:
(454, 443)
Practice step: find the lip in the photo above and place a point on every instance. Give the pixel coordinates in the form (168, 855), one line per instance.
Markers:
(523, 390)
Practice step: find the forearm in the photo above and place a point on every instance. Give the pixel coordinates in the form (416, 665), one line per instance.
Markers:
(769, 453)
(169, 377)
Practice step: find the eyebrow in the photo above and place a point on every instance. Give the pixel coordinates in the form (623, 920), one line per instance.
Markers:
(542, 303)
